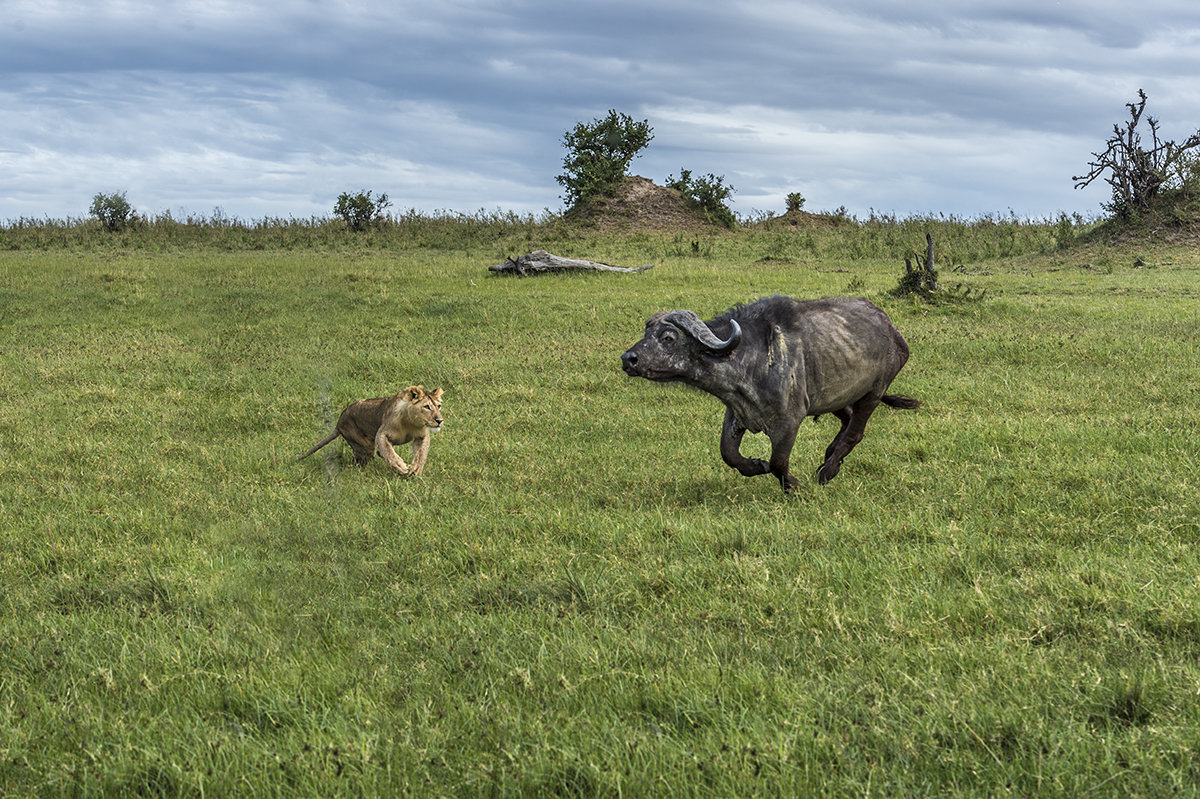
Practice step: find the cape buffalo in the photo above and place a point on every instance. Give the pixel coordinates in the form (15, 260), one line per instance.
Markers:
(775, 361)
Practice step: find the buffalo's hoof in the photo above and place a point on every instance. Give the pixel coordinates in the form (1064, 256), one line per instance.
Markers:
(827, 472)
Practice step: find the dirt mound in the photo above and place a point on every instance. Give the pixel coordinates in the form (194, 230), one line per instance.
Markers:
(639, 204)
(1171, 220)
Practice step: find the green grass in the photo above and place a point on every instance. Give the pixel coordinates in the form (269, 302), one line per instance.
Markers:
(1000, 593)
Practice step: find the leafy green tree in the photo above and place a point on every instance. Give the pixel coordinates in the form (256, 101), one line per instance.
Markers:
(361, 211)
(707, 193)
(598, 154)
(113, 211)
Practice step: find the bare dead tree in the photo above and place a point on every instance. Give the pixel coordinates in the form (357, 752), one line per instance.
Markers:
(922, 278)
(1138, 174)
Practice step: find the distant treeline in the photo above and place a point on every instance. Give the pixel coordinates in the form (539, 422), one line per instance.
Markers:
(504, 233)
(413, 229)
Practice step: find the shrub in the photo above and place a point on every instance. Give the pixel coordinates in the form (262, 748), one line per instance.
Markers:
(1064, 232)
(795, 201)
(360, 211)
(707, 193)
(113, 210)
(599, 154)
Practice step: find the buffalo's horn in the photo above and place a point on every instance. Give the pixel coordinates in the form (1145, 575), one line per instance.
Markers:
(691, 324)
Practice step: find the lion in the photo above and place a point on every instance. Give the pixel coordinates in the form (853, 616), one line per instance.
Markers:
(374, 425)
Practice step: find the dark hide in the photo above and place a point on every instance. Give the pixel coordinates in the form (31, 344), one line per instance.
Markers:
(774, 362)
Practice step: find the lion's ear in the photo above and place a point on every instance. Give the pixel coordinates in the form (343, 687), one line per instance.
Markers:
(437, 394)
(414, 392)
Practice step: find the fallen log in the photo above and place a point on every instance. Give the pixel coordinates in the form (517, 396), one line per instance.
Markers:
(540, 261)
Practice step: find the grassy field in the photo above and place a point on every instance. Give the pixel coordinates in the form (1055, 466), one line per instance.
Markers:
(999, 595)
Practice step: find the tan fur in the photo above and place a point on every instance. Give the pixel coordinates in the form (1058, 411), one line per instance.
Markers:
(375, 425)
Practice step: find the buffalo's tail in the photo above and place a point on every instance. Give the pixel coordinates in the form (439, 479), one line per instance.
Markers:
(902, 402)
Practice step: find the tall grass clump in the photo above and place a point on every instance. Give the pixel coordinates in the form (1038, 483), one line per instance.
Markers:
(962, 240)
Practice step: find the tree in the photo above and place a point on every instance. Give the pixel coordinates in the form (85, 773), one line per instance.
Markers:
(707, 193)
(598, 154)
(360, 211)
(113, 211)
(1137, 174)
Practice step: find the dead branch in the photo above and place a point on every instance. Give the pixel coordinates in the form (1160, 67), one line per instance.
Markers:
(539, 262)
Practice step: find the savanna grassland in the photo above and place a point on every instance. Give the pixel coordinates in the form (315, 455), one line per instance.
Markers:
(999, 595)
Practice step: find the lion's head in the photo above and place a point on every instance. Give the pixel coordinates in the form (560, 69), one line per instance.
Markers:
(424, 408)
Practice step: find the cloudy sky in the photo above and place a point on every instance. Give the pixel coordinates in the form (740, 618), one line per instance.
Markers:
(272, 109)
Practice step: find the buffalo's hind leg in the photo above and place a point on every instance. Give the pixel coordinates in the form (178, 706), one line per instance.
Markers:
(844, 416)
(854, 421)
(732, 432)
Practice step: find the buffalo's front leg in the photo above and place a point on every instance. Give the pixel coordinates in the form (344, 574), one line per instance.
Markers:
(731, 452)
(781, 453)
(854, 421)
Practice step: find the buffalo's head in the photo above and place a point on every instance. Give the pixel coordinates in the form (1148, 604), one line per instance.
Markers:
(676, 346)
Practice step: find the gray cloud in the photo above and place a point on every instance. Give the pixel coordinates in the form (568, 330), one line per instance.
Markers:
(273, 109)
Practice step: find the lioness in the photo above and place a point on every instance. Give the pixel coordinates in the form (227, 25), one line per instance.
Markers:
(374, 425)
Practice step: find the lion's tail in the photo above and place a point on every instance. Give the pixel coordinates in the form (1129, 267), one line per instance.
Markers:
(320, 444)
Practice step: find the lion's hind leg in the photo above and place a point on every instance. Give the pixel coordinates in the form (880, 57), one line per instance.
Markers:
(362, 446)
(362, 455)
